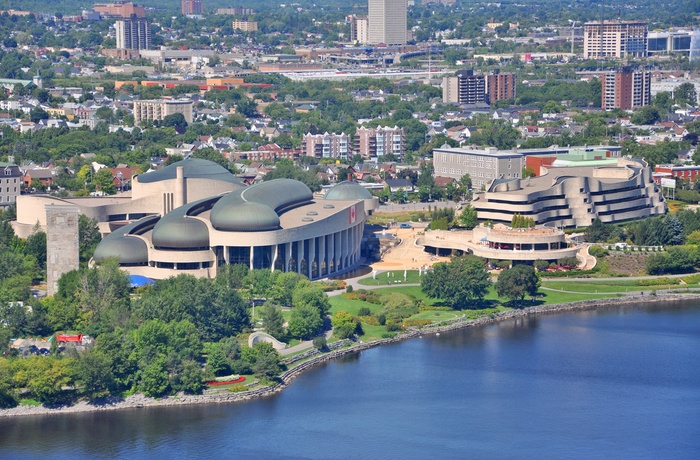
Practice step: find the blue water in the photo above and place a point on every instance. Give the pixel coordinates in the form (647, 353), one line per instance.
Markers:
(616, 383)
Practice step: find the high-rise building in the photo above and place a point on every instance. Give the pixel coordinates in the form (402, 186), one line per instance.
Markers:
(464, 88)
(371, 143)
(387, 21)
(133, 34)
(157, 110)
(237, 11)
(192, 7)
(626, 89)
(326, 145)
(244, 25)
(120, 10)
(500, 86)
(359, 29)
(614, 39)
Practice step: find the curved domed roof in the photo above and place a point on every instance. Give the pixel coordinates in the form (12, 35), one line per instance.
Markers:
(348, 191)
(126, 249)
(256, 208)
(179, 232)
(245, 217)
(193, 168)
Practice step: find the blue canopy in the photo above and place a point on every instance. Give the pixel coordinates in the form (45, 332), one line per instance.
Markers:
(138, 281)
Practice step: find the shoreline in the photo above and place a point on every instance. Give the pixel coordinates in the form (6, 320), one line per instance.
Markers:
(140, 401)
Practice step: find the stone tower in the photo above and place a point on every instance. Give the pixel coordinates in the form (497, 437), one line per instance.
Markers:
(62, 254)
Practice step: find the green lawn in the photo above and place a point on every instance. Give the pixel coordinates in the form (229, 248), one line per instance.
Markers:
(340, 303)
(393, 276)
(609, 286)
(493, 303)
(372, 332)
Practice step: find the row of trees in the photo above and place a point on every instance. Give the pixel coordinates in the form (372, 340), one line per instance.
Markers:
(465, 281)
(671, 229)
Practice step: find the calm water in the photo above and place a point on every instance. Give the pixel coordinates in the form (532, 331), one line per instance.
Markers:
(618, 383)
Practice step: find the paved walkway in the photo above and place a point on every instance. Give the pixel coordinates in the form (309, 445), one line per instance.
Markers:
(302, 346)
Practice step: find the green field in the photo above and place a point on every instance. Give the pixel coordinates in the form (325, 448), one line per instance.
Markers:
(391, 277)
(617, 286)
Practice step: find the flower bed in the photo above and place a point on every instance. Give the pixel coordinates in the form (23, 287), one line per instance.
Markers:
(227, 382)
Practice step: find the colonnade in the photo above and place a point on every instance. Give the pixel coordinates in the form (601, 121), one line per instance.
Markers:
(315, 257)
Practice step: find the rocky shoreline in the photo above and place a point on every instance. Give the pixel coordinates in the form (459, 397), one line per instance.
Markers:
(141, 401)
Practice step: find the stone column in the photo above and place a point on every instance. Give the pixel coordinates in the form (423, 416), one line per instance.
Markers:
(312, 258)
(288, 255)
(274, 257)
(62, 252)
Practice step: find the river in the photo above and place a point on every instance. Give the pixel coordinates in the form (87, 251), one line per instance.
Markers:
(612, 383)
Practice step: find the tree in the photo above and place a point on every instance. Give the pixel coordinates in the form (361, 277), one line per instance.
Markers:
(462, 282)
(187, 377)
(305, 321)
(272, 319)
(647, 115)
(93, 373)
(685, 94)
(154, 378)
(88, 237)
(309, 294)
(37, 114)
(262, 359)
(175, 120)
(36, 246)
(104, 181)
(514, 283)
(345, 325)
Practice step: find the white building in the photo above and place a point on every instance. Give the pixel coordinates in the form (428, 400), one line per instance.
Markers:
(387, 21)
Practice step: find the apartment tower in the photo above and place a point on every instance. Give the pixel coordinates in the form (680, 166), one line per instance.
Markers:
(387, 21)
(626, 89)
(133, 34)
(464, 88)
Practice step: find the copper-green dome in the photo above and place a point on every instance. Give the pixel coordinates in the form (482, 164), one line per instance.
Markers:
(257, 208)
(193, 168)
(128, 250)
(179, 232)
(245, 217)
(348, 191)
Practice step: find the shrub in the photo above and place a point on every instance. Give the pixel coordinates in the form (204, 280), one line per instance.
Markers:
(320, 343)
(381, 319)
(349, 288)
(503, 264)
(393, 327)
(541, 265)
(364, 311)
(598, 251)
(416, 322)
(388, 335)
(345, 331)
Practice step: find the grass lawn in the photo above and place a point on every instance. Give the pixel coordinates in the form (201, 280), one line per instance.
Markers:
(493, 303)
(372, 332)
(340, 303)
(609, 286)
(551, 297)
(394, 275)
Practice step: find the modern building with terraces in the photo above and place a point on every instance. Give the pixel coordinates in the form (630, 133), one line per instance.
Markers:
(575, 196)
